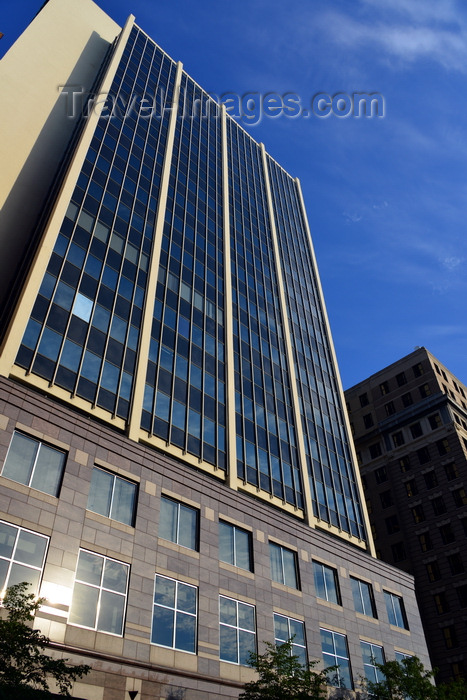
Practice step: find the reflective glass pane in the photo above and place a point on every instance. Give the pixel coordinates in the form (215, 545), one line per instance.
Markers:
(331, 588)
(242, 549)
(188, 527)
(327, 643)
(48, 470)
(246, 644)
(115, 576)
(185, 632)
(89, 568)
(226, 543)
(281, 628)
(7, 539)
(290, 572)
(168, 520)
(165, 591)
(84, 605)
(246, 616)
(4, 564)
(123, 504)
(297, 630)
(162, 626)
(186, 599)
(276, 562)
(20, 459)
(228, 611)
(100, 492)
(30, 548)
(111, 611)
(20, 573)
(228, 644)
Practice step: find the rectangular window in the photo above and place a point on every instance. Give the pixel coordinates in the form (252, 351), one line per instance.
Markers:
(447, 533)
(416, 430)
(434, 421)
(417, 369)
(392, 524)
(396, 610)
(375, 450)
(425, 391)
(283, 565)
(35, 464)
(404, 464)
(441, 603)
(179, 523)
(450, 637)
(451, 471)
(384, 388)
(398, 551)
(235, 546)
(22, 556)
(407, 399)
(175, 614)
(443, 447)
(389, 408)
(433, 571)
(460, 497)
(455, 563)
(363, 598)
(398, 438)
(386, 499)
(423, 455)
(418, 514)
(336, 653)
(381, 475)
(363, 398)
(431, 479)
(326, 583)
(401, 379)
(462, 595)
(112, 496)
(411, 488)
(99, 593)
(425, 542)
(372, 654)
(237, 630)
(438, 505)
(284, 629)
(368, 420)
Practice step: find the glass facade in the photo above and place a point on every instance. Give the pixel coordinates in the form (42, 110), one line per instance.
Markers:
(332, 477)
(93, 307)
(84, 329)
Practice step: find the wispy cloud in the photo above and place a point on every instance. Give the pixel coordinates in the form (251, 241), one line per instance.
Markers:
(401, 30)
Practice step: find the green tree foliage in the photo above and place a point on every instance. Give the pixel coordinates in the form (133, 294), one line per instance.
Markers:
(409, 680)
(282, 676)
(23, 665)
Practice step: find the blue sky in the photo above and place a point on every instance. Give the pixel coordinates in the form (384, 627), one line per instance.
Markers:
(386, 197)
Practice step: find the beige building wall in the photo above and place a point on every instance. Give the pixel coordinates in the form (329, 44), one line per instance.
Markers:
(65, 45)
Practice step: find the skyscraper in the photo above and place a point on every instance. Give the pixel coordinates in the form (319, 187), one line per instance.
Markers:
(410, 428)
(172, 406)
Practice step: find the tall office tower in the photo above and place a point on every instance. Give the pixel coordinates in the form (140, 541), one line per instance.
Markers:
(410, 428)
(176, 474)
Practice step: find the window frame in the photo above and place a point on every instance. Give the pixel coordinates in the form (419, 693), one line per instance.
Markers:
(395, 613)
(181, 508)
(336, 674)
(294, 645)
(101, 589)
(320, 570)
(376, 674)
(39, 444)
(357, 593)
(110, 514)
(284, 580)
(241, 660)
(12, 560)
(176, 612)
(235, 554)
